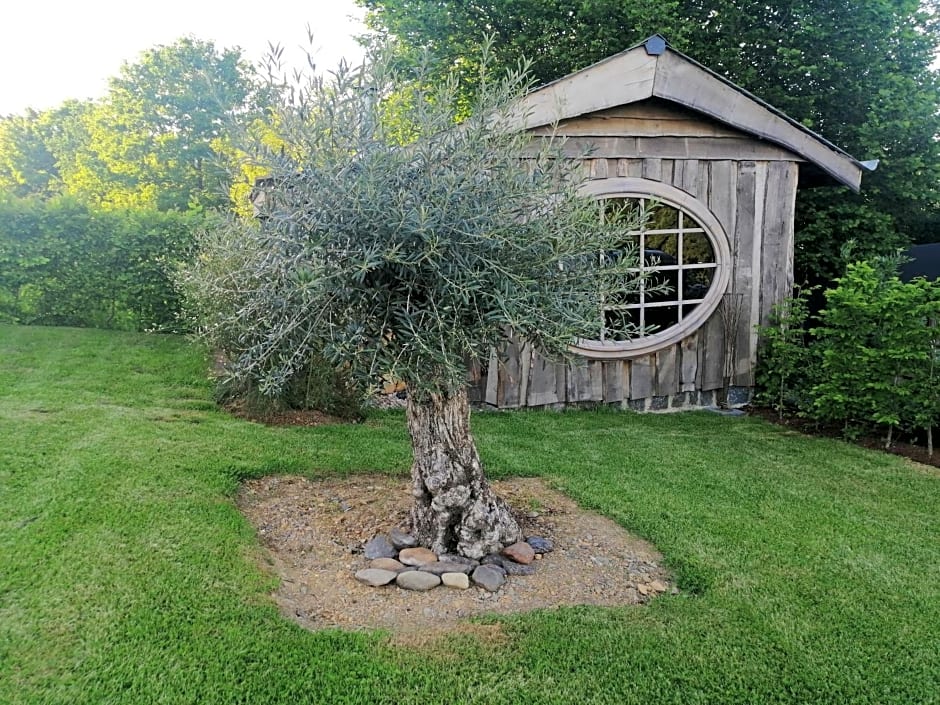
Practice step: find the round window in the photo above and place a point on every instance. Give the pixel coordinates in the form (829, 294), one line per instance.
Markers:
(685, 265)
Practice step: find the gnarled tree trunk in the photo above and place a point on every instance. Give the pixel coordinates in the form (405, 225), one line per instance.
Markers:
(455, 510)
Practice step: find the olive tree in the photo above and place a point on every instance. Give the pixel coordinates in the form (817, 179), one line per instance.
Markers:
(405, 233)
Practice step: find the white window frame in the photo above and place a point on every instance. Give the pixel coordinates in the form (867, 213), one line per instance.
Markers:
(630, 187)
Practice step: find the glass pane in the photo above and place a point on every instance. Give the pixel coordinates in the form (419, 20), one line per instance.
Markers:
(662, 286)
(627, 249)
(663, 217)
(660, 318)
(662, 250)
(696, 282)
(622, 299)
(621, 325)
(621, 211)
(696, 249)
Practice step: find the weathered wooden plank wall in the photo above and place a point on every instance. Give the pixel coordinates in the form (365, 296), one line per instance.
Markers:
(753, 197)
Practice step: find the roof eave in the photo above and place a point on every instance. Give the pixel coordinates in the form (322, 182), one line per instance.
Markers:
(638, 74)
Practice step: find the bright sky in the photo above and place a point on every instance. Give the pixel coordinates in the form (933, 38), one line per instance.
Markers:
(52, 50)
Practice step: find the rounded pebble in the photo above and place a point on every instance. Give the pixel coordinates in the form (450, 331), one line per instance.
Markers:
(460, 581)
(417, 556)
(489, 577)
(379, 547)
(387, 564)
(520, 552)
(417, 580)
(375, 577)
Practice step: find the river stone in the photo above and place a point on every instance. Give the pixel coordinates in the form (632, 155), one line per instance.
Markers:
(417, 556)
(513, 568)
(520, 552)
(387, 564)
(492, 559)
(489, 577)
(402, 540)
(379, 547)
(417, 580)
(441, 567)
(540, 545)
(376, 576)
(461, 581)
(456, 558)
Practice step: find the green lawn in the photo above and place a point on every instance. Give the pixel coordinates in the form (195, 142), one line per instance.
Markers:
(810, 568)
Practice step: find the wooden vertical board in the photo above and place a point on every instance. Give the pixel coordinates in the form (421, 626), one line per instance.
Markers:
(694, 178)
(777, 253)
(667, 372)
(744, 279)
(614, 381)
(510, 375)
(666, 174)
(642, 371)
(760, 186)
(525, 368)
(630, 167)
(492, 378)
(711, 354)
(579, 386)
(688, 365)
(599, 169)
(721, 195)
(678, 172)
(476, 382)
(542, 388)
(653, 169)
(596, 368)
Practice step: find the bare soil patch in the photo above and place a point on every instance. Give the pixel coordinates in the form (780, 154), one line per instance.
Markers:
(313, 531)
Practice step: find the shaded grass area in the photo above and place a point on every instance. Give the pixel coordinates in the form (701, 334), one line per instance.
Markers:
(810, 568)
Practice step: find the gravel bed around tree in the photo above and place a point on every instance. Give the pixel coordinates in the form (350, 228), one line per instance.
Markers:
(313, 532)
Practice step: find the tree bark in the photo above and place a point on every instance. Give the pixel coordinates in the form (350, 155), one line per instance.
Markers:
(455, 510)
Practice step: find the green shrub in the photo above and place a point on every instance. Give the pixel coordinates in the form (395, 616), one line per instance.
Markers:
(319, 386)
(787, 361)
(878, 347)
(63, 262)
(873, 360)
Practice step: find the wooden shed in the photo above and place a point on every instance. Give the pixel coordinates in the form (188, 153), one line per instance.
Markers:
(724, 168)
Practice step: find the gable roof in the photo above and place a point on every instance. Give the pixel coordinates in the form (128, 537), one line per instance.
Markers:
(653, 69)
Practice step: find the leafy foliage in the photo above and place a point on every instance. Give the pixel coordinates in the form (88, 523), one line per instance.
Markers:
(857, 73)
(400, 243)
(152, 141)
(873, 360)
(65, 263)
(787, 358)
(879, 345)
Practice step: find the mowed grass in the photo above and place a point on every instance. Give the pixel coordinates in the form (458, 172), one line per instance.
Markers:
(810, 568)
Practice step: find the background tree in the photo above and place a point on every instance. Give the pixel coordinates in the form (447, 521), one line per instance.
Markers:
(153, 141)
(858, 73)
(399, 243)
(27, 164)
(153, 134)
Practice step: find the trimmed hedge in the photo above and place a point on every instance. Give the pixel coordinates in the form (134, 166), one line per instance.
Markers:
(63, 262)
(873, 360)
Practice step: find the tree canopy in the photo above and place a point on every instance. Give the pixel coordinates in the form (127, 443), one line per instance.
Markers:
(152, 140)
(403, 241)
(857, 73)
